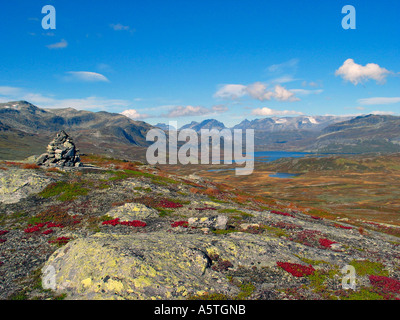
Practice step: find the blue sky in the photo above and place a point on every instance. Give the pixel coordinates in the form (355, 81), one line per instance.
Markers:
(186, 60)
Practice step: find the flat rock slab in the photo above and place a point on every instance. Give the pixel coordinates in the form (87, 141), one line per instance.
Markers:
(16, 184)
(163, 265)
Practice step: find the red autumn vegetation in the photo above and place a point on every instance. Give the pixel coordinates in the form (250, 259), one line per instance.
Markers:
(169, 204)
(326, 242)
(133, 223)
(283, 213)
(184, 224)
(296, 269)
(385, 283)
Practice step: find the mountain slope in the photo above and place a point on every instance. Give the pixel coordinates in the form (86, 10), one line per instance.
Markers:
(370, 133)
(99, 132)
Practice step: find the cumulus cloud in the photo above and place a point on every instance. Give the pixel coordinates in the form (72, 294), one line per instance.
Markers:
(356, 73)
(271, 112)
(86, 76)
(59, 45)
(186, 111)
(180, 111)
(134, 114)
(379, 100)
(256, 90)
(231, 91)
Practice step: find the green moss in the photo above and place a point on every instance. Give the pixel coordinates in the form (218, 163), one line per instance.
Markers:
(366, 267)
(363, 294)
(224, 231)
(164, 212)
(246, 290)
(64, 190)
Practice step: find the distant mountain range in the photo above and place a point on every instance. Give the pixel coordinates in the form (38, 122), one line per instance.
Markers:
(26, 129)
(337, 134)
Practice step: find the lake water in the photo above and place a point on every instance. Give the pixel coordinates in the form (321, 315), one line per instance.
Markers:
(283, 175)
(268, 156)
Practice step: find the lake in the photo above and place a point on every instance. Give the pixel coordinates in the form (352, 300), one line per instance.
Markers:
(268, 156)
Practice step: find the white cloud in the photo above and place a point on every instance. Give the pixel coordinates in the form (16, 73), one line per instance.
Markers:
(133, 114)
(180, 111)
(59, 45)
(306, 92)
(49, 101)
(356, 73)
(231, 91)
(379, 100)
(285, 66)
(385, 113)
(86, 76)
(5, 91)
(256, 90)
(271, 112)
(283, 94)
(220, 108)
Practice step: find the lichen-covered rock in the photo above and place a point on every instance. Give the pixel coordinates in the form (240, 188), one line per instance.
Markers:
(163, 265)
(16, 184)
(133, 211)
(215, 222)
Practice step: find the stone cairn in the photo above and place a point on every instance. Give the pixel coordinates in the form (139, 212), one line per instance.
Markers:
(61, 152)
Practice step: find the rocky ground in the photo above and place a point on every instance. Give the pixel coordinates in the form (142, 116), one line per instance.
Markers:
(123, 230)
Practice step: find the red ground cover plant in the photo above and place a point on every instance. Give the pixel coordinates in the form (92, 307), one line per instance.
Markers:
(169, 204)
(307, 237)
(3, 240)
(283, 213)
(326, 242)
(48, 231)
(184, 224)
(385, 283)
(133, 223)
(1, 263)
(32, 229)
(296, 269)
(3, 232)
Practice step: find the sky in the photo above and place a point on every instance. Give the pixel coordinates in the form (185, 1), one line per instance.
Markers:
(186, 60)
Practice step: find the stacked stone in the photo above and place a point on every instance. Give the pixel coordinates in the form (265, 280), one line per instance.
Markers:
(61, 152)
